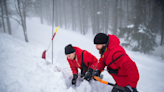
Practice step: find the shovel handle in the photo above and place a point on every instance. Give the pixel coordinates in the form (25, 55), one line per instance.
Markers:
(102, 81)
(107, 83)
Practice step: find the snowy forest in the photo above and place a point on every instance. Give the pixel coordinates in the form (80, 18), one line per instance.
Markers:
(139, 22)
(31, 29)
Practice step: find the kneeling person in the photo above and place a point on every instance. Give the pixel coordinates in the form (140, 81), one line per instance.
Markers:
(122, 68)
(82, 59)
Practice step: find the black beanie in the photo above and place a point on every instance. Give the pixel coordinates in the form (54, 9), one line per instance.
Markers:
(100, 38)
(69, 49)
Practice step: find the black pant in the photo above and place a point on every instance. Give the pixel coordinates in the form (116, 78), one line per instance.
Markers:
(117, 90)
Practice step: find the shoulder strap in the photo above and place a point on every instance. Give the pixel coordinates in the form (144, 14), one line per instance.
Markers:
(115, 59)
(83, 66)
(82, 55)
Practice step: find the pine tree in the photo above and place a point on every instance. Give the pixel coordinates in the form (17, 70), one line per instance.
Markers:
(138, 33)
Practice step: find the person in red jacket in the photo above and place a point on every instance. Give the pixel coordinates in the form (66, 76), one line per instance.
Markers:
(119, 65)
(82, 59)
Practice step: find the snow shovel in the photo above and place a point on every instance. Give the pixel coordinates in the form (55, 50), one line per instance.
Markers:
(107, 83)
(44, 52)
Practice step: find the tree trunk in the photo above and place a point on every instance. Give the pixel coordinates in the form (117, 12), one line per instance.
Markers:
(73, 15)
(41, 12)
(98, 14)
(49, 15)
(60, 13)
(106, 17)
(92, 15)
(47, 12)
(162, 31)
(7, 17)
(103, 15)
(144, 4)
(25, 29)
(56, 14)
(115, 17)
(83, 17)
(2, 16)
(65, 22)
(127, 13)
(121, 13)
(23, 18)
(50, 12)
(79, 12)
(86, 17)
(149, 8)
(95, 16)
(0, 24)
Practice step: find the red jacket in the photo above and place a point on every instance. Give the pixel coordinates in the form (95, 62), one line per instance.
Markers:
(89, 60)
(127, 69)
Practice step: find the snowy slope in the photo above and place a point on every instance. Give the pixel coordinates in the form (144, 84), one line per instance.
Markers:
(23, 70)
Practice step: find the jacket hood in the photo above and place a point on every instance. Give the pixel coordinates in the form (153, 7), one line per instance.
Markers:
(113, 42)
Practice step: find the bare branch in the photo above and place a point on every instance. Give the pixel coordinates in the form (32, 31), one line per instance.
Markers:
(16, 7)
(11, 18)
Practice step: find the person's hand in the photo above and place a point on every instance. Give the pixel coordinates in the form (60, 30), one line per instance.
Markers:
(74, 79)
(97, 73)
(82, 73)
(88, 74)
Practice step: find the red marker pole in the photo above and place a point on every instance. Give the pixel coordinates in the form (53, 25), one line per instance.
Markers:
(44, 52)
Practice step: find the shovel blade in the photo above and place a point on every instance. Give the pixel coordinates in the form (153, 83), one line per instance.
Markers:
(44, 54)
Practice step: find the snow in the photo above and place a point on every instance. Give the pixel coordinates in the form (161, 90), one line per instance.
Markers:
(159, 50)
(141, 29)
(99, 12)
(23, 70)
(130, 26)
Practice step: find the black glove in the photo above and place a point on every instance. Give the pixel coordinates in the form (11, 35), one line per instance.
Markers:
(88, 74)
(128, 89)
(74, 79)
(82, 73)
(97, 73)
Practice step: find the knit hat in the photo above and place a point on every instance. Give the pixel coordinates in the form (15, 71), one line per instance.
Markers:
(100, 38)
(69, 49)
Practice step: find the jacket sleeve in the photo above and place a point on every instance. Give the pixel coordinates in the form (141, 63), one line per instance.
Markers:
(101, 64)
(129, 66)
(73, 68)
(90, 60)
